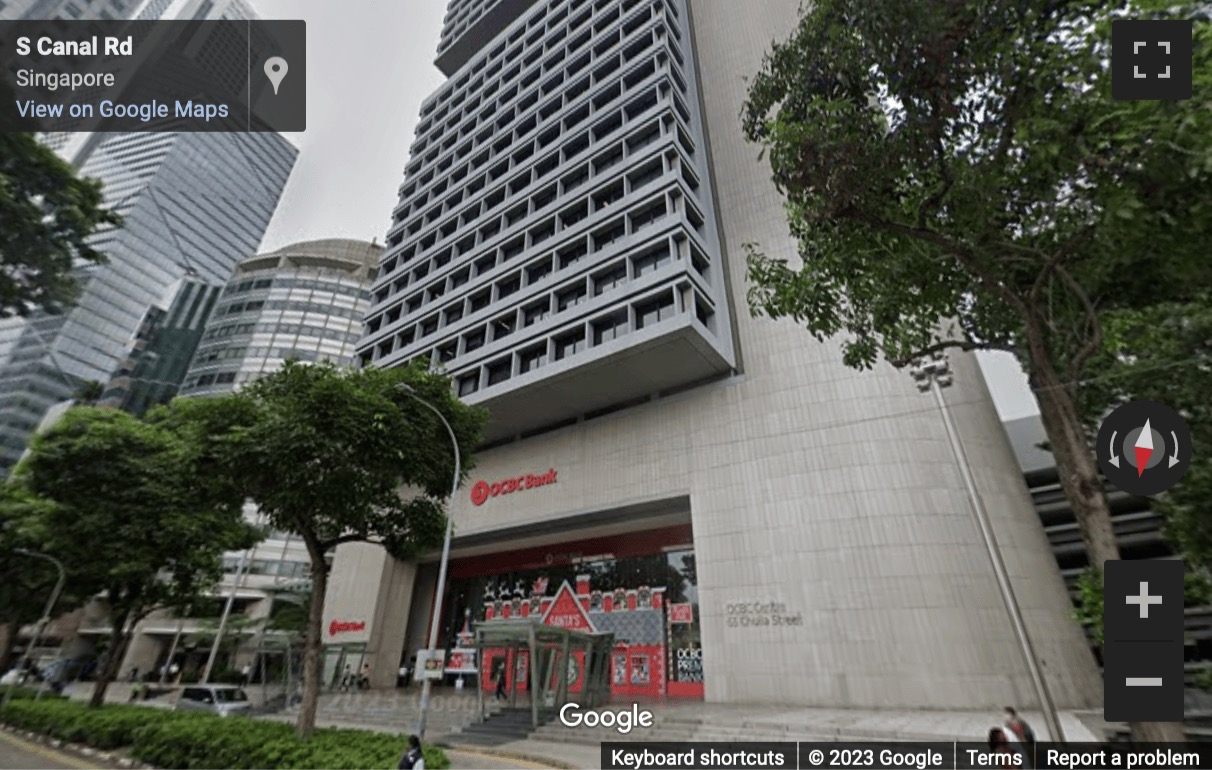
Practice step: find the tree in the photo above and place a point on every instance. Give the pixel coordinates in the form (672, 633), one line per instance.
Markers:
(25, 582)
(89, 393)
(129, 517)
(47, 214)
(1163, 352)
(328, 454)
(958, 176)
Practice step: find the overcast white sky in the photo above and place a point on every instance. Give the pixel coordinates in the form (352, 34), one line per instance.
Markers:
(369, 67)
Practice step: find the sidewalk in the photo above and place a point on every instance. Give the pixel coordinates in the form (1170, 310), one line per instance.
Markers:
(580, 748)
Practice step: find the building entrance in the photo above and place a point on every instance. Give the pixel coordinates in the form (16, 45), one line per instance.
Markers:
(640, 589)
(570, 666)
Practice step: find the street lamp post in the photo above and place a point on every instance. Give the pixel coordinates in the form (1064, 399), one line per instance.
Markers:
(231, 600)
(427, 683)
(933, 375)
(46, 615)
(172, 650)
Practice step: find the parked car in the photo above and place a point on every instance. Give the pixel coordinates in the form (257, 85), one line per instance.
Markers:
(222, 699)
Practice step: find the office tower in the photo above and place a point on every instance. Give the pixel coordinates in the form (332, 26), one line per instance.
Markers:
(568, 243)
(164, 345)
(68, 10)
(192, 204)
(305, 301)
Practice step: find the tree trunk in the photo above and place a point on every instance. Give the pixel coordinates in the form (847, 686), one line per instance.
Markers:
(113, 659)
(10, 630)
(1083, 487)
(1077, 467)
(312, 642)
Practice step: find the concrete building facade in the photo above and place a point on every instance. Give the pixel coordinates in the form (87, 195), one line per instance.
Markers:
(803, 527)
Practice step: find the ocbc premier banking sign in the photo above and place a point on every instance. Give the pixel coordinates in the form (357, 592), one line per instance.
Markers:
(482, 490)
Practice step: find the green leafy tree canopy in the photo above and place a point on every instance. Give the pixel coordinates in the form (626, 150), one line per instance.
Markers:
(47, 214)
(957, 175)
(338, 455)
(129, 517)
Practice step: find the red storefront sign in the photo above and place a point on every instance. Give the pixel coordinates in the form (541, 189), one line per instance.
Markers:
(566, 612)
(482, 490)
(345, 627)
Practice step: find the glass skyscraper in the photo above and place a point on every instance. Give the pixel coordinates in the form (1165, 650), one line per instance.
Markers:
(191, 205)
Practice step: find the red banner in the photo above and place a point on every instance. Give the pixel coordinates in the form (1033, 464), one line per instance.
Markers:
(681, 613)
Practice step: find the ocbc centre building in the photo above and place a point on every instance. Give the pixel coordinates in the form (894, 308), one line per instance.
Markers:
(754, 521)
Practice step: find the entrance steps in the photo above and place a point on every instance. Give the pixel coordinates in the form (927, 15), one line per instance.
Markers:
(507, 724)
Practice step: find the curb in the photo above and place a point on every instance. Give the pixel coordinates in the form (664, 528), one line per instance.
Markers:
(555, 764)
(75, 748)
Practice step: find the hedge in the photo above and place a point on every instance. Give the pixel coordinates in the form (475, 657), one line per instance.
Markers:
(28, 693)
(176, 740)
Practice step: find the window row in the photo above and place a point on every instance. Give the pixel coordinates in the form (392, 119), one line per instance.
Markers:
(601, 330)
(260, 283)
(289, 306)
(641, 263)
(297, 283)
(295, 330)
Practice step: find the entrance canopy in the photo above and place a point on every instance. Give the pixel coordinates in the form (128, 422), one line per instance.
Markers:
(550, 651)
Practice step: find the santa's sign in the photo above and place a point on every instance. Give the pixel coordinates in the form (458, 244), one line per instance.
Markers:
(566, 612)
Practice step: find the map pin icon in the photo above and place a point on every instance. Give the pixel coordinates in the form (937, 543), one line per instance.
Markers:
(275, 70)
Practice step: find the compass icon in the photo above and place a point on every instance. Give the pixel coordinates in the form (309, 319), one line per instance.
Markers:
(1144, 447)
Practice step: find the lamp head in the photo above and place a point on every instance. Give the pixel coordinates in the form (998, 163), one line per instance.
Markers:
(23, 551)
(404, 387)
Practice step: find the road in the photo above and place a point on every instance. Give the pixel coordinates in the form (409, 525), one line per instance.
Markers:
(19, 754)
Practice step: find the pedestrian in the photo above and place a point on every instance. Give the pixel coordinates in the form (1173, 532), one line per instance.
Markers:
(413, 758)
(999, 743)
(173, 670)
(1021, 730)
(501, 682)
(346, 679)
(364, 680)
(246, 674)
(134, 674)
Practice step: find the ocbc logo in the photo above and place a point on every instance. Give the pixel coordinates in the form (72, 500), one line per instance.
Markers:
(482, 490)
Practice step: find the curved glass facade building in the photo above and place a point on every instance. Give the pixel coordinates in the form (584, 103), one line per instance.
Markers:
(304, 301)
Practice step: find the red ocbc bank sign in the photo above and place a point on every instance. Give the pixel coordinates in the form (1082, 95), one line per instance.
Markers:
(482, 490)
(345, 626)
